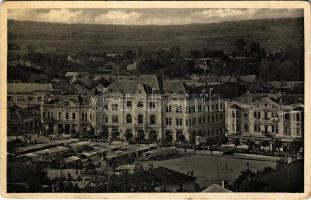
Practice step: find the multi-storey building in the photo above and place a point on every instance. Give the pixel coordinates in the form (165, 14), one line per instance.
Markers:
(144, 108)
(167, 110)
(266, 117)
(65, 114)
(27, 94)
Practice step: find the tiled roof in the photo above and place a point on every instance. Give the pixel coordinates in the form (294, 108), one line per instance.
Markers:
(64, 87)
(128, 86)
(150, 80)
(226, 90)
(28, 87)
(286, 99)
(174, 86)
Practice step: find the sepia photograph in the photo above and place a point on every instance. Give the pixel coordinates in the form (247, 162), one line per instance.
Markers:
(152, 99)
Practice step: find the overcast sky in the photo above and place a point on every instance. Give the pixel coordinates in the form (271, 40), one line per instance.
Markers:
(148, 16)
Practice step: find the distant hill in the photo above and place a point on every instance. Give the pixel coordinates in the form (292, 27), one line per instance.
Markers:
(273, 34)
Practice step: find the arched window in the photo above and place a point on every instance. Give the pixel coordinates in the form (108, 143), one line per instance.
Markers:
(152, 119)
(128, 119)
(129, 104)
(140, 104)
(140, 119)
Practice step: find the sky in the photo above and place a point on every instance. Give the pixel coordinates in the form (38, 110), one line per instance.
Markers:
(148, 16)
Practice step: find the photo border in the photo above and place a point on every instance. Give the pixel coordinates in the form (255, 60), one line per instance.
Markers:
(154, 4)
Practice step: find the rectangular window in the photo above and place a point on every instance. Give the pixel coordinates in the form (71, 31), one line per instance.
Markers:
(194, 121)
(245, 114)
(67, 115)
(298, 132)
(178, 109)
(199, 120)
(73, 115)
(246, 127)
(204, 119)
(233, 113)
(152, 104)
(30, 98)
(266, 115)
(286, 116)
(115, 119)
(298, 117)
(216, 118)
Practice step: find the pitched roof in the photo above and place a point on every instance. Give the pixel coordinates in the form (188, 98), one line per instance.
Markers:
(28, 87)
(63, 86)
(128, 86)
(166, 176)
(225, 90)
(286, 99)
(215, 188)
(150, 80)
(174, 86)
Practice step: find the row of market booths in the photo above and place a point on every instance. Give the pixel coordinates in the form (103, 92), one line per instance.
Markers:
(79, 154)
(71, 154)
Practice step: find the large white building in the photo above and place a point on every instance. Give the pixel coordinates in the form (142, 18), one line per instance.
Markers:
(266, 117)
(145, 108)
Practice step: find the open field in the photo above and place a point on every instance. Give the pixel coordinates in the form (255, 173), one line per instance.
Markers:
(206, 167)
(273, 34)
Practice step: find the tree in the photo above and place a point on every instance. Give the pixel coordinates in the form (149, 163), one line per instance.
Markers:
(104, 134)
(295, 146)
(245, 182)
(174, 51)
(236, 142)
(240, 45)
(277, 144)
(129, 54)
(195, 54)
(250, 143)
(115, 134)
(128, 136)
(140, 136)
(264, 143)
(34, 177)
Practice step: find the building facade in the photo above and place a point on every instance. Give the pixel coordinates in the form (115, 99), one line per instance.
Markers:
(266, 117)
(140, 109)
(65, 114)
(27, 94)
